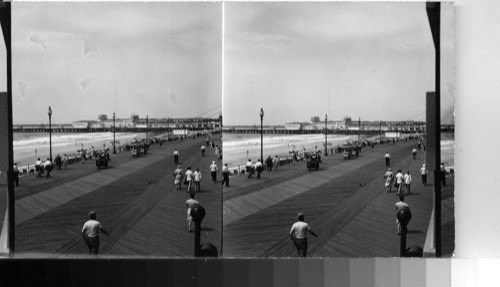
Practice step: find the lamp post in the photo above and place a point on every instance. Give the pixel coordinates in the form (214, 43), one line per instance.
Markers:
(261, 137)
(359, 130)
(404, 216)
(326, 135)
(380, 131)
(114, 131)
(147, 127)
(198, 213)
(50, 132)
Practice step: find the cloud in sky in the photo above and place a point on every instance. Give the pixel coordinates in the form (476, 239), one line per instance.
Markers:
(368, 60)
(72, 54)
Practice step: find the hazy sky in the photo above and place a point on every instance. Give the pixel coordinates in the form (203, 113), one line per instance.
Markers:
(298, 60)
(165, 58)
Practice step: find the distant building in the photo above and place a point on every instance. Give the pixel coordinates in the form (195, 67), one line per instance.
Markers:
(81, 125)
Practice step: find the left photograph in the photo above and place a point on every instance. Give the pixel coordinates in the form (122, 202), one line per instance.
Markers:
(116, 130)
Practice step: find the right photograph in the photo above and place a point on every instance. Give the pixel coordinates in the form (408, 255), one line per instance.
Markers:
(338, 129)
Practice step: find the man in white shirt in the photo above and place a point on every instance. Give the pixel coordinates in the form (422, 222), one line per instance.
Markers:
(202, 150)
(213, 171)
(423, 172)
(47, 166)
(191, 203)
(407, 182)
(90, 233)
(189, 178)
(400, 205)
(298, 234)
(249, 168)
(399, 181)
(197, 180)
(414, 153)
(258, 168)
(176, 157)
(39, 168)
(387, 159)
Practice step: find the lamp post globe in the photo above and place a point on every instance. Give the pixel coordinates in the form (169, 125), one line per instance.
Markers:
(49, 112)
(261, 136)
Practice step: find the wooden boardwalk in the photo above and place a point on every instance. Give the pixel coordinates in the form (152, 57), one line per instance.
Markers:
(135, 200)
(344, 202)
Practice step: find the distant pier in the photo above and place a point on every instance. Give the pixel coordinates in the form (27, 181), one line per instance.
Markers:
(71, 129)
(283, 130)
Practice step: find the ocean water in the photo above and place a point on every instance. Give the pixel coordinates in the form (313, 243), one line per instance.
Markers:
(30, 146)
(238, 148)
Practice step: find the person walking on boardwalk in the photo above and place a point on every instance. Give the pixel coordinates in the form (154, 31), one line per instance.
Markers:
(16, 174)
(276, 162)
(298, 234)
(388, 176)
(191, 203)
(423, 173)
(249, 168)
(414, 153)
(400, 205)
(407, 182)
(399, 182)
(218, 153)
(48, 167)
(225, 175)
(197, 180)
(65, 161)
(188, 176)
(269, 163)
(387, 159)
(202, 150)
(58, 162)
(39, 168)
(443, 174)
(176, 156)
(90, 233)
(258, 168)
(82, 153)
(178, 177)
(213, 171)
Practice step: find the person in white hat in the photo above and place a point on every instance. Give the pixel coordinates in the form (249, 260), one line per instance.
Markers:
(423, 172)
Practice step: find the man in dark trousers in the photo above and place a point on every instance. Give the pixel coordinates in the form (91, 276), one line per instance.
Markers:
(176, 157)
(387, 157)
(269, 163)
(443, 174)
(16, 174)
(225, 175)
(298, 234)
(90, 233)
